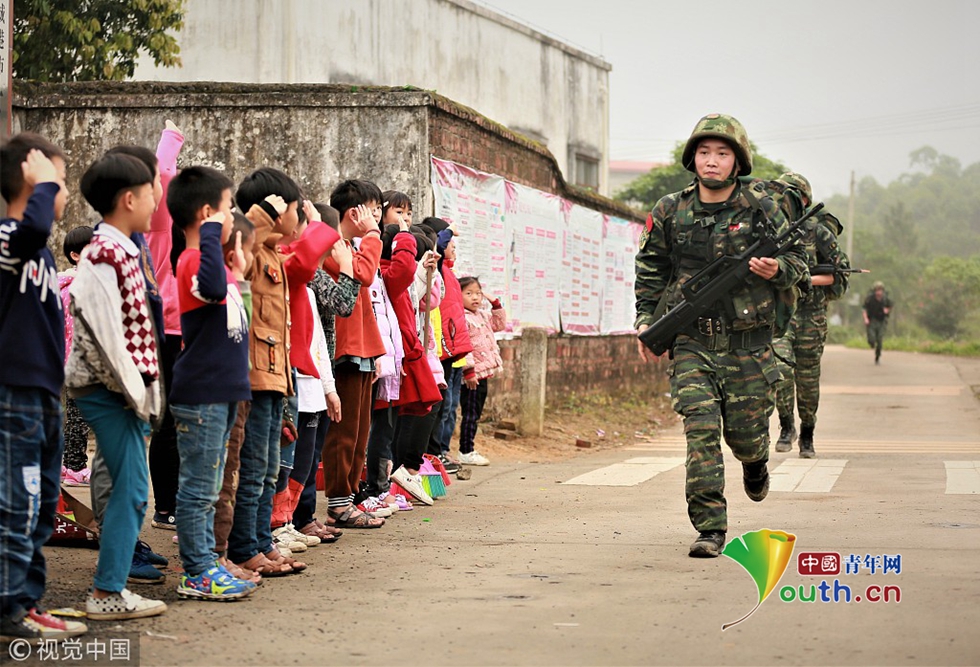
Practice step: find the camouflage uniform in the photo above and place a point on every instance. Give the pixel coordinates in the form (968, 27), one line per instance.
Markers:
(799, 350)
(874, 310)
(718, 381)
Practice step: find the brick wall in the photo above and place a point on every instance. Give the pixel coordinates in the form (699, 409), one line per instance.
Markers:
(576, 365)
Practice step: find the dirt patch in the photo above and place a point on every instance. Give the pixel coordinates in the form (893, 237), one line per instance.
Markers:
(602, 421)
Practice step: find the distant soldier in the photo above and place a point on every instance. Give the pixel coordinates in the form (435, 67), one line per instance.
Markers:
(877, 308)
(800, 348)
(723, 373)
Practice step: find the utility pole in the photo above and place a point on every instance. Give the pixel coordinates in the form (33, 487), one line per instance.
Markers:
(850, 220)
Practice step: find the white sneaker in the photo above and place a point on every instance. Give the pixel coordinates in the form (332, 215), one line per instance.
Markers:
(412, 484)
(474, 458)
(309, 540)
(281, 537)
(121, 606)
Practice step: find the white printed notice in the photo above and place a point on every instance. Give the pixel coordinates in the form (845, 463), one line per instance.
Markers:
(620, 242)
(581, 270)
(473, 203)
(534, 231)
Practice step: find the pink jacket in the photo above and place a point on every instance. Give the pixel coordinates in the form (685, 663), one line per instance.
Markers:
(485, 359)
(432, 353)
(64, 282)
(159, 238)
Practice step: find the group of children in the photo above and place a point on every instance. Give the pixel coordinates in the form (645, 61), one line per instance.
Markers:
(255, 334)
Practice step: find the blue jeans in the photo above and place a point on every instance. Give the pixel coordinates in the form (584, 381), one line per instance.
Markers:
(447, 419)
(202, 442)
(31, 443)
(121, 439)
(251, 533)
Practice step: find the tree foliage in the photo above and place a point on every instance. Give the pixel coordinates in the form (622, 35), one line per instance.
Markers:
(92, 40)
(645, 191)
(920, 235)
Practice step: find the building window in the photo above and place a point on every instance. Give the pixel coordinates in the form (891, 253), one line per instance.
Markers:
(586, 171)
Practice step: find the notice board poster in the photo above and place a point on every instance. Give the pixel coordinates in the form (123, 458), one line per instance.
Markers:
(620, 242)
(534, 230)
(581, 270)
(473, 203)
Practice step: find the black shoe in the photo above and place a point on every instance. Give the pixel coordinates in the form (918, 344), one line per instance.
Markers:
(755, 479)
(708, 544)
(165, 521)
(22, 628)
(787, 434)
(154, 558)
(447, 463)
(806, 443)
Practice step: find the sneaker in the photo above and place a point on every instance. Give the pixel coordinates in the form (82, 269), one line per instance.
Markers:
(708, 544)
(396, 502)
(142, 572)
(39, 624)
(122, 606)
(474, 458)
(165, 521)
(412, 484)
(215, 583)
(71, 477)
(755, 480)
(281, 537)
(451, 466)
(148, 553)
(375, 507)
(309, 540)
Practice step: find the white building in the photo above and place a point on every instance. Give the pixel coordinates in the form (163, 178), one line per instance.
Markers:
(517, 76)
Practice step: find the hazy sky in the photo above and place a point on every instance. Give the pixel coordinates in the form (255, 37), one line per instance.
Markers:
(825, 86)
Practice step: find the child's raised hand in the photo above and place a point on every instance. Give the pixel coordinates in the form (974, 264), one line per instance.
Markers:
(363, 220)
(238, 258)
(430, 260)
(217, 216)
(38, 168)
(342, 254)
(312, 214)
(277, 203)
(170, 125)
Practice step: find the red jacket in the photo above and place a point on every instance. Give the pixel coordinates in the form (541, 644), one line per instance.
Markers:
(419, 391)
(456, 342)
(357, 335)
(302, 259)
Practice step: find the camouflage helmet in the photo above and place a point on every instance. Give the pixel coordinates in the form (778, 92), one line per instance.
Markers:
(726, 128)
(799, 182)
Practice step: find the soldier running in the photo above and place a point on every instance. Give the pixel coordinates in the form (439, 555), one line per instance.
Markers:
(723, 374)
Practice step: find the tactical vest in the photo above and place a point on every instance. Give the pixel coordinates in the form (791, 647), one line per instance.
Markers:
(698, 237)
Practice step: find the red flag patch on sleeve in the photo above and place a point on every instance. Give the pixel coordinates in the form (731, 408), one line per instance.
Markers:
(649, 222)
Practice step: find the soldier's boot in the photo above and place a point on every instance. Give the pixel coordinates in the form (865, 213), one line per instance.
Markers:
(787, 434)
(806, 442)
(708, 544)
(755, 480)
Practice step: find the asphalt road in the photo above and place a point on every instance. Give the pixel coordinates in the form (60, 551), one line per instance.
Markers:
(520, 566)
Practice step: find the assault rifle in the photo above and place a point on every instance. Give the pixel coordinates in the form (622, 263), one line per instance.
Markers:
(830, 269)
(703, 290)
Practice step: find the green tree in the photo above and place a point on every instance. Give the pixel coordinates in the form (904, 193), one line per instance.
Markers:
(92, 40)
(949, 291)
(646, 190)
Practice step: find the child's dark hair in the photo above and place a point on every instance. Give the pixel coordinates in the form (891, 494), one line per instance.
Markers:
(425, 240)
(353, 193)
(329, 214)
(13, 153)
(75, 241)
(110, 177)
(263, 182)
(435, 224)
(466, 281)
(191, 190)
(388, 233)
(393, 199)
(240, 224)
(141, 153)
